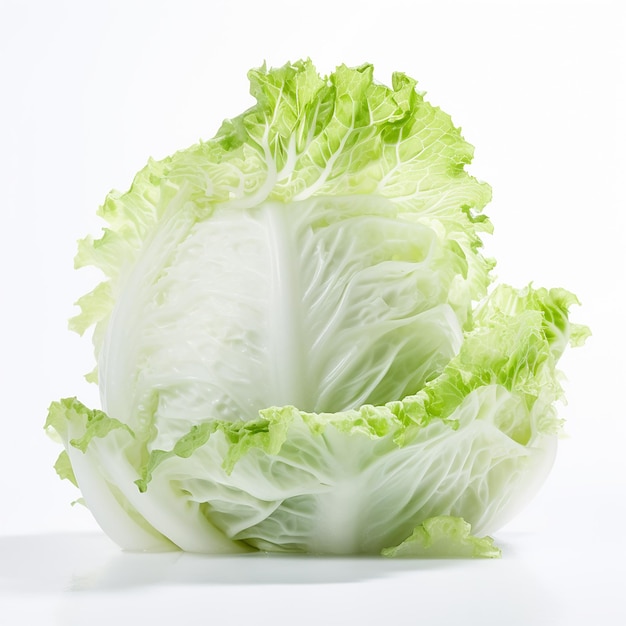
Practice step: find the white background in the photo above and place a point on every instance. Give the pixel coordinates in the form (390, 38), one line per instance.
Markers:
(88, 91)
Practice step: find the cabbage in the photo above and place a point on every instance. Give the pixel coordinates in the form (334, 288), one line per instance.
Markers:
(297, 347)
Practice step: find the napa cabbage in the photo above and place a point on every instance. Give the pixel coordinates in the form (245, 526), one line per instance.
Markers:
(298, 345)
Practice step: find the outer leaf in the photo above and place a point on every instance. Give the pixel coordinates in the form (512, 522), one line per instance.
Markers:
(102, 455)
(444, 537)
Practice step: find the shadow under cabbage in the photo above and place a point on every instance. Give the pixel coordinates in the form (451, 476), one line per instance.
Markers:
(91, 562)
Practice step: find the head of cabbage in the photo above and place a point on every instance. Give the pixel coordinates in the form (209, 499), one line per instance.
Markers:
(295, 346)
